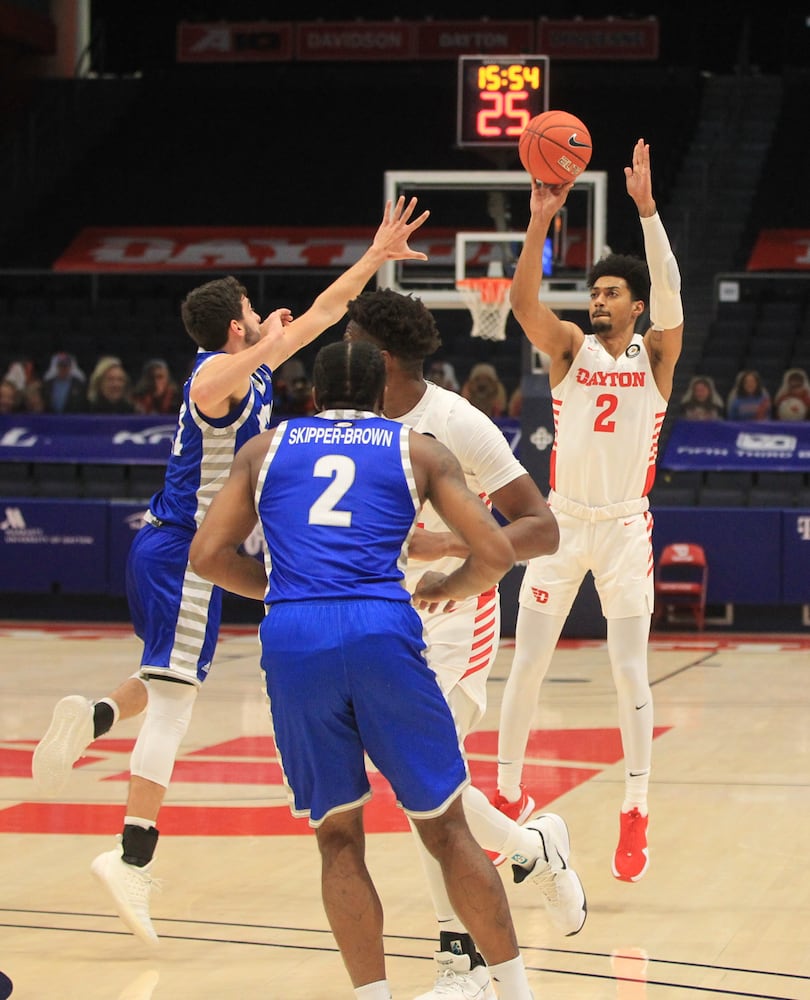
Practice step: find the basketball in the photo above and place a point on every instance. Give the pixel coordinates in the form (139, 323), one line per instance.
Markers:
(555, 147)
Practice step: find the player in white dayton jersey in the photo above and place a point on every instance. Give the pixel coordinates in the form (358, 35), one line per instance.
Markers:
(609, 393)
(227, 399)
(462, 645)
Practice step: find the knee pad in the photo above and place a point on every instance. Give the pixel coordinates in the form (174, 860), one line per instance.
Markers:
(168, 714)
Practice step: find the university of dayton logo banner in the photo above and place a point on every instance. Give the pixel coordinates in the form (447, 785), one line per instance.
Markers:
(132, 249)
(221, 248)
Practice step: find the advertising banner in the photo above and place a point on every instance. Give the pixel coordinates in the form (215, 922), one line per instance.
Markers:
(608, 38)
(781, 446)
(220, 42)
(54, 546)
(132, 439)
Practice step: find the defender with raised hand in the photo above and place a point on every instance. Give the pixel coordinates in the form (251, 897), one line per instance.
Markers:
(226, 401)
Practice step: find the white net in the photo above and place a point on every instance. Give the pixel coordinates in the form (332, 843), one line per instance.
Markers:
(488, 302)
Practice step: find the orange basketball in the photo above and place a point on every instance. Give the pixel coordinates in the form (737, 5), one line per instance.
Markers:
(555, 147)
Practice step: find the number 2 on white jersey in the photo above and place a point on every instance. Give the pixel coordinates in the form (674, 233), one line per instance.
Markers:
(608, 403)
(341, 470)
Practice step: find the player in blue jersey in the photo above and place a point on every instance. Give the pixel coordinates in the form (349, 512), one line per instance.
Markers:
(343, 649)
(226, 400)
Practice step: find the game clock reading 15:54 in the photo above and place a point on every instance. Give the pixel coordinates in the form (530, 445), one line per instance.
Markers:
(497, 95)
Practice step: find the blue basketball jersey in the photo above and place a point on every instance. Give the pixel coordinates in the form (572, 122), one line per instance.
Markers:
(337, 501)
(203, 449)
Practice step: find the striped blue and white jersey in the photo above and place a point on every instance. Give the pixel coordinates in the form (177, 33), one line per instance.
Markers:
(338, 503)
(203, 449)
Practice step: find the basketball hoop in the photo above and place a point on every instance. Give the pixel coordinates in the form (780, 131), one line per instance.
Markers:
(488, 300)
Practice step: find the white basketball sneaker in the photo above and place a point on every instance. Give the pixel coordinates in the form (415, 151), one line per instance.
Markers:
(563, 895)
(456, 978)
(69, 735)
(130, 888)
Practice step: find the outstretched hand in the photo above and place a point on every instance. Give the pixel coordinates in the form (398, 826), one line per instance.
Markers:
(548, 199)
(396, 229)
(639, 179)
(273, 325)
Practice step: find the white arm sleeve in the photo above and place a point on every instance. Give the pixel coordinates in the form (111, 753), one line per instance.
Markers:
(666, 308)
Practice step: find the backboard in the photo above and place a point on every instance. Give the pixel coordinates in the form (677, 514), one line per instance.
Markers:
(476, 227)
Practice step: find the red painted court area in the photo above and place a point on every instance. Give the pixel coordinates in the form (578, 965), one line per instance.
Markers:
(558, 759)
(250, 762)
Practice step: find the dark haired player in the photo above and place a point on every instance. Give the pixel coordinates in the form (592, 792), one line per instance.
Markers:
(226, 401)
(462, 646)
(609, 390)
(342, 645)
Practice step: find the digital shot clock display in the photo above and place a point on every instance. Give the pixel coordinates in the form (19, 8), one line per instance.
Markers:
(497, 96)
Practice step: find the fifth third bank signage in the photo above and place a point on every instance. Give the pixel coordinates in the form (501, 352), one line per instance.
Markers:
(727, 444)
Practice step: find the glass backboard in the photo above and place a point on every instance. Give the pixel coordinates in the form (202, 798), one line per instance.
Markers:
(476, 204)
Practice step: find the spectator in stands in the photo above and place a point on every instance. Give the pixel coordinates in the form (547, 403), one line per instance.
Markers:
(156, 391)
(792, 401)
(11, 398)
(33, 398)
(292, 390)
(63, 387)
(23, 374)
(749, 399)
(485, 390)
(702, 401)
(541, 362)
(109, 389)
(442, 373)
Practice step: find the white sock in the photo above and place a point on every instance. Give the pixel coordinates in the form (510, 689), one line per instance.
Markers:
(635, 791)
(511, 979)
(145, 824)
(374, 991)
(452, 925)
(509, 774)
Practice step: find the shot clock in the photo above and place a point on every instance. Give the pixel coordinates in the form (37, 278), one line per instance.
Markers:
(497, 97)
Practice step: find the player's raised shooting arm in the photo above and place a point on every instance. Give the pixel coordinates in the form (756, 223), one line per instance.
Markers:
(558, 338)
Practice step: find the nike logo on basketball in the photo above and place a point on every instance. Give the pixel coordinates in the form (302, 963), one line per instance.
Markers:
(572, 141)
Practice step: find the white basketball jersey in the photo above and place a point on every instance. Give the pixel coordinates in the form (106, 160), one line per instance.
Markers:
(478, 444)
(608, 414)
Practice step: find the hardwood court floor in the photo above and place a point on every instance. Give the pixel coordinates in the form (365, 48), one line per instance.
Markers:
(724, 910)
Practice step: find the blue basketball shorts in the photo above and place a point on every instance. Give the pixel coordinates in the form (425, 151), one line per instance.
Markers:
(174, 612)
(347, 678)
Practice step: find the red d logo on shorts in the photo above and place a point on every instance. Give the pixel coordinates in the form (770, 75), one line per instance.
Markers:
(540, 596)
